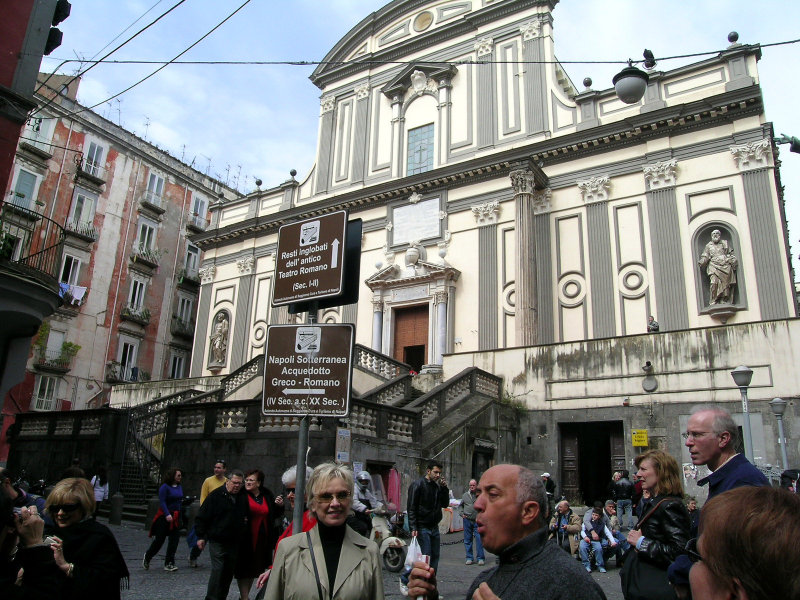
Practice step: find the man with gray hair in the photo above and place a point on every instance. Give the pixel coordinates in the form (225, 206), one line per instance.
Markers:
(712, 436)
(512, 508)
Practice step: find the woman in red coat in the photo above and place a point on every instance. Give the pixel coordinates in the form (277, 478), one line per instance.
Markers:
(257, 547)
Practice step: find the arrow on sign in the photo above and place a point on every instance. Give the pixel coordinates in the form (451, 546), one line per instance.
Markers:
(288, 391)
(335, 257)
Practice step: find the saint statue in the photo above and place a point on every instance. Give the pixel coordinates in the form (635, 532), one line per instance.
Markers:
(720, 263)
(219, 339)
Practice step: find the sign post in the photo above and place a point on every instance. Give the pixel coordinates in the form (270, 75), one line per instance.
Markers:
(308, 367)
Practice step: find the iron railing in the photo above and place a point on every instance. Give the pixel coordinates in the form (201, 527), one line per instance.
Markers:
(31, 241)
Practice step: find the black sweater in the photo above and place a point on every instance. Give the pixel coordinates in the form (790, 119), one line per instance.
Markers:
(222, 517)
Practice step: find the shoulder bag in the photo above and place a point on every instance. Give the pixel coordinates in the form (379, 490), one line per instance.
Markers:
(314, 562)
(642, 580)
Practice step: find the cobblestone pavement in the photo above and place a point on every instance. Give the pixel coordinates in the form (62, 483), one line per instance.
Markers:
(185, 583)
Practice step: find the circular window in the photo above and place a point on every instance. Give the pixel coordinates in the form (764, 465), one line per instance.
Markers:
(423, 20)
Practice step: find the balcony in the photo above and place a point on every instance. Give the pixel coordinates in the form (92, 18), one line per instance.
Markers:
(117, 373)
(182, 327)
(137, 314)
(154, 201)
(82, 229)
(41, 403)
(22, 206)
(149, 257)
(189, 276)
(197, 223)
(56, 361)
(90, 171)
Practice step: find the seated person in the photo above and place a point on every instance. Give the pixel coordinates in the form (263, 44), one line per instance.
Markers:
(565, 527)
(612, 522)
(598, 537)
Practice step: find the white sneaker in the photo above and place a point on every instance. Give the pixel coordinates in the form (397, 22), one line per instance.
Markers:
(481, 562)
(403, 589)
(469, 562)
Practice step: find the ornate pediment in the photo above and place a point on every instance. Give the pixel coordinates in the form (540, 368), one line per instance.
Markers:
(416, 76)
(395, 276)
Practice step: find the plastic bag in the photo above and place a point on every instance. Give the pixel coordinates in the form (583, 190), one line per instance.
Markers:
(414, 552)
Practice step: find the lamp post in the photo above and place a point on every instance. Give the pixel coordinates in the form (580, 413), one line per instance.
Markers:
(778, 405)
(742, 376)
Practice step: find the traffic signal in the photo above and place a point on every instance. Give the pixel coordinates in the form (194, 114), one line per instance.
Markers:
(54, 37)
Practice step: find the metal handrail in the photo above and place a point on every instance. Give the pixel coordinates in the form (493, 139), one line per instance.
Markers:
(37, 244)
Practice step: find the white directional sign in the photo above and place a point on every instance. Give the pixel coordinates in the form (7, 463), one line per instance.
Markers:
(307, 369)
(308, 264)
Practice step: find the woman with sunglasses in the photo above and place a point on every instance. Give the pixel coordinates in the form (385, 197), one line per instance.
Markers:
(85, 551)
(331, 561)
(748, 546)
(258, 544)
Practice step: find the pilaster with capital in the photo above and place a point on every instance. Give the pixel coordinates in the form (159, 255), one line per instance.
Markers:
(377, 324)
(246, 264)
(661, 174)
(594, 189)
(526, 316)
(754, 155)
(207, 274)
(487, 213)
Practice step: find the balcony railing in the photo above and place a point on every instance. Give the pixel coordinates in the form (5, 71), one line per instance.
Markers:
(118, 373)
(83, 229)
(155, 200)
(92, 169)
(188, 275)
(35, 245)
(198, 222)
(55, 360)
(150, 256)
(137, 314)
(42, 403)
(182, 327)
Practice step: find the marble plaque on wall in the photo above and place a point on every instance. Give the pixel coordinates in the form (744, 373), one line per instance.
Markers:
(410, 293)
(415, 222)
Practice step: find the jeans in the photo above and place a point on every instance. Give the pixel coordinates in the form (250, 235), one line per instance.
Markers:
(223, 558)
(598, 548)
(162, 531)
(622, 546)
(429, 540)
(471, 529)
(621, 506)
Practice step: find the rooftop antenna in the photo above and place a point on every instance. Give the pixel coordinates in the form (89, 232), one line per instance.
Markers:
(146, 125)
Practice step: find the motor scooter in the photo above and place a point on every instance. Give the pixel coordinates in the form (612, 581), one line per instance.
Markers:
(392, 548)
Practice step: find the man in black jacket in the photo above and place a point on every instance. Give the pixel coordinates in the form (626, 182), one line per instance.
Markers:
(221, 521)
(426, 498)
(623, 494)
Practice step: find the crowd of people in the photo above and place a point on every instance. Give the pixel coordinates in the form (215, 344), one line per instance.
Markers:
(668, 548)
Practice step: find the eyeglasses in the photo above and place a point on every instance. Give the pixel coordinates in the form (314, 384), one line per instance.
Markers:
(289, 491)
(326, 498)
(67, 508)
(232, 482)
(695, 435)
(691, 550)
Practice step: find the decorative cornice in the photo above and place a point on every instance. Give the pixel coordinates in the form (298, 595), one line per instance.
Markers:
(661, 174)
(486, 214)
(327, 104)
(484, 46)
(595, 189)
(207, 274)
(754, 155)
(362, 91)
(531, 30)
(246, 264)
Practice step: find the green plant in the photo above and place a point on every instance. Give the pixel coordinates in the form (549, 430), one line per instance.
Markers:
(42, 335)
(516, 402)
(69, 350)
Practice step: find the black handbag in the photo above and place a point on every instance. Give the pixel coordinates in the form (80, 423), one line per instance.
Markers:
(642, 580)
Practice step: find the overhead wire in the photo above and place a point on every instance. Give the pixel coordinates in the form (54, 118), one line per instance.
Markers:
(95, 63)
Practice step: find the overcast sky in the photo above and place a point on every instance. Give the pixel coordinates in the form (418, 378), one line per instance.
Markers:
(245, 122)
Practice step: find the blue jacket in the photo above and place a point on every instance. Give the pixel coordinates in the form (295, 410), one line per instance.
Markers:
(737, 472)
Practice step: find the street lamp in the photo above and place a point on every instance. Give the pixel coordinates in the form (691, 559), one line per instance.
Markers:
(742, 376)
(630, 84)
(778, 405)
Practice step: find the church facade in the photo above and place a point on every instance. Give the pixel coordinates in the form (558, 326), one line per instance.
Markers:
(515, 223)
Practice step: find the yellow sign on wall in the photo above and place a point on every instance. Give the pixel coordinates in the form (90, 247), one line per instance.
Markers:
(639, 437)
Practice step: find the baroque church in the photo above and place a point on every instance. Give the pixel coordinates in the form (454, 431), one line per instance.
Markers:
(518, 234)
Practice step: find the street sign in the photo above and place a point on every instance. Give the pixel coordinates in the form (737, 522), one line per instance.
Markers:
(343, 445)
(309, 263)
(639, 437)
(307, 370)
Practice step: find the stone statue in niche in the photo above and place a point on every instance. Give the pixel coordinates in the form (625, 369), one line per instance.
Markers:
(219, 339)
(720, 264)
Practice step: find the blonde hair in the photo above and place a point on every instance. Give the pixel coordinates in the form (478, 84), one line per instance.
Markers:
(323, 474)
(71, 491)
(667, 472)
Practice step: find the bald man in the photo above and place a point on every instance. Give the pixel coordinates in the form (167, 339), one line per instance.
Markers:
(511, 508)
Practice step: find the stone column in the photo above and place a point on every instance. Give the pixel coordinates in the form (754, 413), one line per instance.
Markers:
(595, 196)
(440, 300)
(377, 325)
(488, 286)
(533, 237)
(662, 209)
(535, 80)
(397, 136)
(770, 263)
(361, 119)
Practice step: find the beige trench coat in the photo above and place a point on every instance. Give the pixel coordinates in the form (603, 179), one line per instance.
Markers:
(358, 577)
